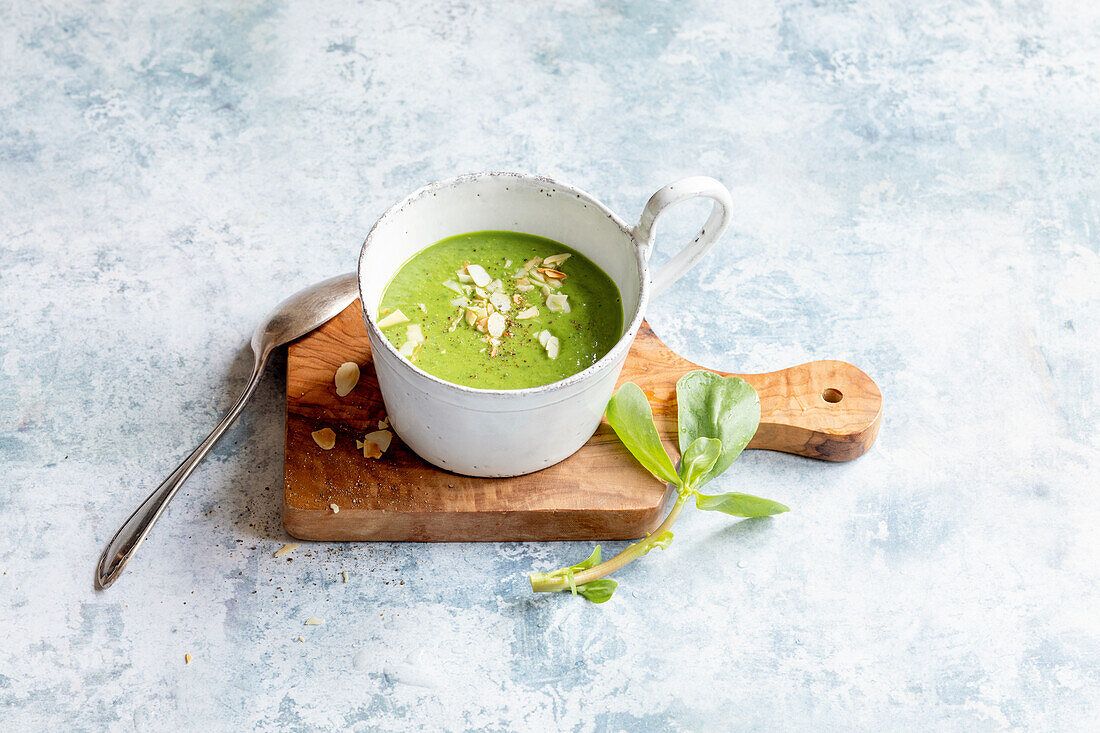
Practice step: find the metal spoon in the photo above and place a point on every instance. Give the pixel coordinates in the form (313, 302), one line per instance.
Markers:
(296, 316)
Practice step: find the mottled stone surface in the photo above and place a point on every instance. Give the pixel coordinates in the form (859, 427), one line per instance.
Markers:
(917, 193)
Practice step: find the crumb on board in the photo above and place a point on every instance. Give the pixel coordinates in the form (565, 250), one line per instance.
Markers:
(335, 508)
(187, 659)
(344, 575)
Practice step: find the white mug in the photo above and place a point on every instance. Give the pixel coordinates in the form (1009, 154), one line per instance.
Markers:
(494, 432)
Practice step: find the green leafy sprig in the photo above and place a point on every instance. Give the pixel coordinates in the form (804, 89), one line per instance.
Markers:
(717, 417)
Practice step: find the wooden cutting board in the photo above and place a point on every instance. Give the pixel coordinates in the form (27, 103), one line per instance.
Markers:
(828, 410)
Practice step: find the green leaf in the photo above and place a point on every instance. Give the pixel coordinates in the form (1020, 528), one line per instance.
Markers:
(710, 406)
(567, 573)
(592, 561)
(598, 591)
(740, 505)
(631, 418)
(698, 459)
(662, 540)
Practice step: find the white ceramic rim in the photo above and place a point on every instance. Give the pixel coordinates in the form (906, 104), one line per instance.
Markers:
(604, 362)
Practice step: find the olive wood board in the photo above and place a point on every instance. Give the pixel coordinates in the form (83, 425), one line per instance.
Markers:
(828, 410)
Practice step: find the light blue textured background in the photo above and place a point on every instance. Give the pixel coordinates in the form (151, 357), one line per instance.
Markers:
(916, 188)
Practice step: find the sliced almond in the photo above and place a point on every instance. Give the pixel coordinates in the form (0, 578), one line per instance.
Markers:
(477, 272)
(543, 336)
(495, 324)
(533, 262)
(407, 349)
(526, 313)
(383, 423)
(481, 293)
(335, 508)
(347, 376)
(376, 443)
(313, 621)
(452, 285)
(482, 324)
(187, 659)
(557, 303)
(537, 278)
(555, 260)
(463, 276)
(552, 274)
(495, 286)
(344, 575)
(501, 301)
(471, 317)
(552, 346)
(325, 437)
(291, 547)
(524, 285)
(459, 302)
(393, 319)
(415, 334)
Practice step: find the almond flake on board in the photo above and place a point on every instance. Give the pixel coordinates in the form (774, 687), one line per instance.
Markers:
(344, 575)
(313, 621)
(393, 319)
(347, 376)
(187, 659)
(383, 423)
(375, 444)
(325, 438)
(290, 547)
(335, 508)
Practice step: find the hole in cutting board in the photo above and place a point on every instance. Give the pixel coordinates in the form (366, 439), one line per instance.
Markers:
(832, 395)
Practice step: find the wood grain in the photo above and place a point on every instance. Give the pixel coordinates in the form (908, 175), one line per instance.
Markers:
(599, 493)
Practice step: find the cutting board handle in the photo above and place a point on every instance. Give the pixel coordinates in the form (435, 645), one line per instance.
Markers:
(829, 410)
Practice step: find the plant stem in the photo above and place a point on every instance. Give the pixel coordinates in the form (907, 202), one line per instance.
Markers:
(546, 583)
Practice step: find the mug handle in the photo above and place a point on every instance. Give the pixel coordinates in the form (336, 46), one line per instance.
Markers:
(685, 259)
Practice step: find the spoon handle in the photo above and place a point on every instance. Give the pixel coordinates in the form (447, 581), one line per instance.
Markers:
(134, 531)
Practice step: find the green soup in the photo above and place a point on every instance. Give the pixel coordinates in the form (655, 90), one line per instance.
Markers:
(501, 310)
